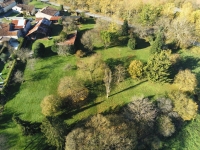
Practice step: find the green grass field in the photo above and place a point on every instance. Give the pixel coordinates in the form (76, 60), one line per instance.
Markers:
(44, 79)
(40, 5)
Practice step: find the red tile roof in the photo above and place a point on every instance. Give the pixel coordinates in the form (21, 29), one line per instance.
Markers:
(4, 30)
(19, 24)
(69, 41)
(54, 18)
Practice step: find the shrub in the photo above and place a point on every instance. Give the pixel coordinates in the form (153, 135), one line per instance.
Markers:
(38, 49)
(136, 69)
(80, 53)
(131, 43)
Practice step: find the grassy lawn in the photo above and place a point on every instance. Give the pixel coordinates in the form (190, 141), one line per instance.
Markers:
(44, 79)
(40, 5)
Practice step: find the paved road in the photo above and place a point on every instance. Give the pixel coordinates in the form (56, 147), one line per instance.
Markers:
(92, 14)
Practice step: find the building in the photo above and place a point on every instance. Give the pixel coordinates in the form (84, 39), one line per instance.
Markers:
(6, 5)
(42, 28)
(47, 13)
(21, 8)
(14, 30)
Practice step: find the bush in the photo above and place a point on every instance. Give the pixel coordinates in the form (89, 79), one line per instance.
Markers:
(80, 53)
(54, 48)
(60, 21)
(123, 40)
(62, 36)
(39, 49)
(131, 43)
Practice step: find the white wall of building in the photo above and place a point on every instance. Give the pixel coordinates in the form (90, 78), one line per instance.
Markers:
(7, 8)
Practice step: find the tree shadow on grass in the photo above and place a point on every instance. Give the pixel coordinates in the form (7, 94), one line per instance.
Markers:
(13, 88)
(130, 87)
(141, 43)
(39, 76)
(189, 62)
(70, 114)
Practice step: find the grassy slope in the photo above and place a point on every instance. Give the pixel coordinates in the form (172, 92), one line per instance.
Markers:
(188, 138)
(44, 80)
(40, 5)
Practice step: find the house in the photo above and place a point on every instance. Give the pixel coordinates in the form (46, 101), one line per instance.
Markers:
(5, 32)
(47, 13)
(42, 28)
(15, 30)
(29, 9)
(6, 5)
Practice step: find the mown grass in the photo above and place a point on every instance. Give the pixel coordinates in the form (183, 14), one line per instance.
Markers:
(40, 5)
(44, 79)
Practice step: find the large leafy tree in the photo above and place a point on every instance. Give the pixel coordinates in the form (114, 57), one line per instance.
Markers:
(183, 105)
(149, 14)
(102, 132)
(136, 69)
(51, 105)
(91, 69)
(158, 67)
(70, 88)
(186, 80)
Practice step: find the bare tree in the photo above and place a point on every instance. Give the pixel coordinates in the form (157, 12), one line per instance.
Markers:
(31, 63)
(141, 110)
(119, 73)
(107, 81)
(88, 39)
(18, 77)
(23, 54)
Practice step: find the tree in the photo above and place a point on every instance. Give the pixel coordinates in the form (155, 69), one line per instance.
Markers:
(107, 37)
(125, 28)
(51, 105)
(157, 44)
(91, 69)
(141, 110)
(23, 54)
(181, 32)
(184, 106)
(61, 8)
(65, 50)
(103, 132)
(107, 81)
(72, 89)
(164, 105)
(186, 81)
(54, 131)
(119, 73)
(149, 14)
(158, 67)
(18, 77)
(136, 69)
(31, 63)
(132, 43)
(88, 39)
(165, 126)
(38, 49)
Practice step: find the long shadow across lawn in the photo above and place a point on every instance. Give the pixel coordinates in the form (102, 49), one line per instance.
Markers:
(130, 87)
(69, 115)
